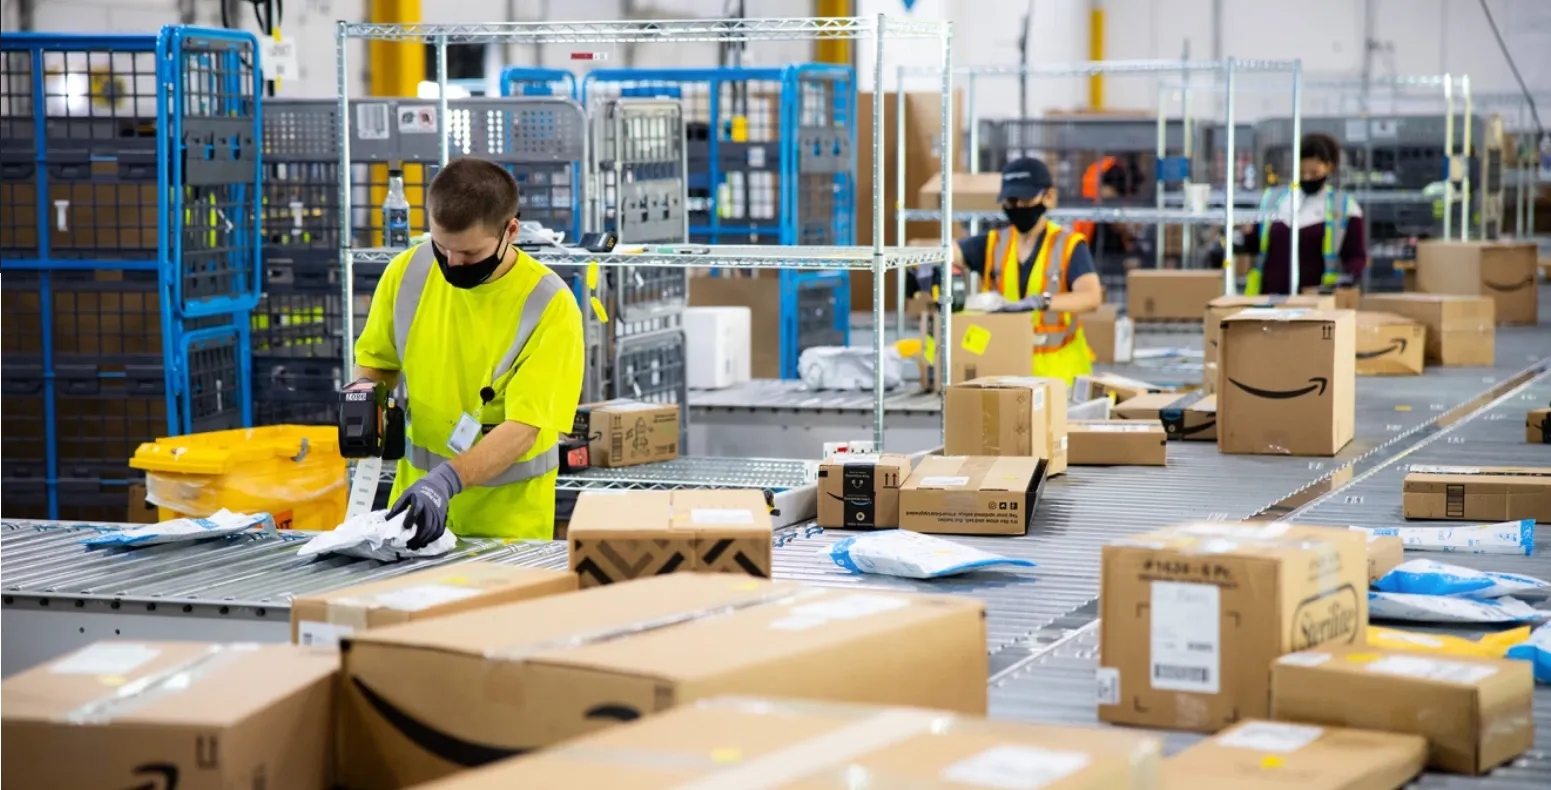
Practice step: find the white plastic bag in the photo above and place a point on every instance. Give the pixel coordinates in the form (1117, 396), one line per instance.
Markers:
(1430, 577)
(912, 555)
(844, 368)
(1441, 609)
(1537, 651)
(220, 524)
(374, 536)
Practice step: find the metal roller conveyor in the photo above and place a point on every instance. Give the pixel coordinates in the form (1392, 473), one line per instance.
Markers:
(784, 418)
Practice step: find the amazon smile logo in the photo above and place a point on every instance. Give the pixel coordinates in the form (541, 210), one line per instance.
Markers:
(1527, 281)
(163, 776)
(1316, 384)
(1398, 347)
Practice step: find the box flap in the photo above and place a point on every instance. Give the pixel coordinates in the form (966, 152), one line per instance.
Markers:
(475, 577)
(1115, 426)
(606, 514)
(1377, 318)
(1247, 539)
(1285, 315)
(973, 473)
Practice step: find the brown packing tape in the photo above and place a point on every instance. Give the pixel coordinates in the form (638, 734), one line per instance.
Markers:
(990, 422)
(129, 696)
(350, 612)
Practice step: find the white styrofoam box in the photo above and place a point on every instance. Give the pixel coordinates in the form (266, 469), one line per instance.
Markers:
(719, 340)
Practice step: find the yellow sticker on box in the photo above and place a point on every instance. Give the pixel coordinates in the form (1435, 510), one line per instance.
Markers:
(931, 350)
(976, 338)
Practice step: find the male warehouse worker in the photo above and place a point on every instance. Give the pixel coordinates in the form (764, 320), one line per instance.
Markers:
(487, 344)
(1040, 265)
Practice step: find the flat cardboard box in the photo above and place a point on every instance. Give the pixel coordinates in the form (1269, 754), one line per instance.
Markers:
(621, 535)
(1117, 443)
(237, 716)
(1113, 386)
(958, 495)
(1171, 294)
(1146, 407)
(1191, 418)
(1390, 345)
(625, 432)
(1474, 712)
(1385, 552)
(1003, 415)
(1537, 426)
(785, 745)
(1288, 382)
(971, 191)
(425, 700)
(1460, 331)
(861, 491)
(1500, 270)
(1111, 336)
(1268, 755)
(435, 592)
(1192, 616)
(1224, 306)
(991, 344)
(1478, 493)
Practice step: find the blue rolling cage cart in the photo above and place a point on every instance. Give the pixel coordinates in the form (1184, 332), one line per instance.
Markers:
(129, 233)
(771, 161)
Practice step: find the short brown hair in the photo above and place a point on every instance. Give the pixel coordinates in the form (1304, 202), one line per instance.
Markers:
(470, 191)
(1321, 146)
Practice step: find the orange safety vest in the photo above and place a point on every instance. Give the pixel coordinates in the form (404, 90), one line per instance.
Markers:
(1091, 179)
(1053, 331)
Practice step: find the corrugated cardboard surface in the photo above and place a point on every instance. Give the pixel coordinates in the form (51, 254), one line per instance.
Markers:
(1114, 386)
(1502, 271)
(992, 344)
(1117, 443)
(971, 191)
(141, 511)
(1224, 306)
(1193, 615)
(1146, 407)
(437, 592)
(617, 536)
(1384, 553)
(1390, 345)
(1474, 712)
(424, 700)
(1287, 382)
(1111, 337)
(1537, 426)
(185, 714)
(958, 495)
(624, 432)
(861, 492)
(1460, 329)
(998, 416)
(1264, 755)
(782, 745)
(1192, 418)
(1484, 493)
(1171, 294)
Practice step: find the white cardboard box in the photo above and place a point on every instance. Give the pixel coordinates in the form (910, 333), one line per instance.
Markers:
(719, 341)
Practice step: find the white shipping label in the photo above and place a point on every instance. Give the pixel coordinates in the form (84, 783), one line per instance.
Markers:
(846, 607)
(1266, 736)
(1446, 470)
(1117, 428)
(1016, 768)
(309, 632)
(422, 597)
(112, 658)
(1186, 637)
(1039, 399)
(1108, 685)
(1304, 659)
(942, 482)
(1063, 443)
(711, 516)
(1433, 669)
(277, 57)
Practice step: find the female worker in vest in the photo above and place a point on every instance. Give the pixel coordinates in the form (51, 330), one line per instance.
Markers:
(1039, 266)
(485, 345)
(1330, 228)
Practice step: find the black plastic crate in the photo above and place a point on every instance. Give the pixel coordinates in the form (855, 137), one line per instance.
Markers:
(292, 391)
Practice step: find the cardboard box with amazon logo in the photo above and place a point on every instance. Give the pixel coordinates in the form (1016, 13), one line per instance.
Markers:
(861, 491)
(1288, 382)
(1224, 306)
(1390, 345)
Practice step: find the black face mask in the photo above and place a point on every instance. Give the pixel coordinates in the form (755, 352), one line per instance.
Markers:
(1313, 185)
(1024, 218)
(470, 275)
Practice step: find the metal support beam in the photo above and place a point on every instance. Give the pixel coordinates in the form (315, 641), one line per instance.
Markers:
(396, 69)
(836, 50)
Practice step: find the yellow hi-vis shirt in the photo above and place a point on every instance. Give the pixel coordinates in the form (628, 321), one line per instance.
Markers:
(454, 344)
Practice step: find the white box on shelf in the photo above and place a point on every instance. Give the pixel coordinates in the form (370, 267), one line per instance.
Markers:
(719, 340)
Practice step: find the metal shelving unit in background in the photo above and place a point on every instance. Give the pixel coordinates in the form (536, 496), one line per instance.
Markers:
(1225, 73)
(877, 258)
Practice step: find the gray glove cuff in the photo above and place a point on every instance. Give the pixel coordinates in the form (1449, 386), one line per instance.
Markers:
(448, 477)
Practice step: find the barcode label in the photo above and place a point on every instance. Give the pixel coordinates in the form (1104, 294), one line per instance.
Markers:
(1188, 674)
(1109, 685)
(1186, 644)
(371, 121)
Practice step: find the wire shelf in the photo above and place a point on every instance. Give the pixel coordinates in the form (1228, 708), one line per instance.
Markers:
(723, 256)
(1097, 67)
(643, 32)
(1166, 216)
(775, 474)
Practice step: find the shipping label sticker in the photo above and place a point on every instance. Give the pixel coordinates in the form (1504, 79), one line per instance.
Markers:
(719, 517)
(1433, 669)
(1016, 768)
(315, 634)
(112, 658)
(1186, 649)
(1266, 736)
(1304, 659)
(1118, 428)
(938, 481)
(422, 597)
(1108, 679)
(976, 338)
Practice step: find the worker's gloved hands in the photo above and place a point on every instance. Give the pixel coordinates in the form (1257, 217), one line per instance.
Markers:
(1037, 303)
(425, 504)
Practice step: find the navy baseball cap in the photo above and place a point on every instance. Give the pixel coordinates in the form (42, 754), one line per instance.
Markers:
(1024, 178)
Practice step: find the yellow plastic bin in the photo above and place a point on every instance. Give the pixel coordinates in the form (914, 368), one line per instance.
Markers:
(293, 472)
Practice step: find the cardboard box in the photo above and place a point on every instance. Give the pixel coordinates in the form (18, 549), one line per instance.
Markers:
(625, 432)
(998, 416)
(957, 495)
(1474, 712)
(1113, 386)
(1117, 443)
(1477, 493)
(1390, 345)
(1111, 336)
(435, 592)
(621, 535)
(1385, 552)
(1192, 418)
(1537, 426)
(1224, 306)
(719, 343)
(1288, 382)
(1192, 616)
(141, 511)
(784, 744)
(1146, 407)
(1266, 755)
(1209, 378)
(1171, 294)
(971, 191)
(238, 716)
(1502, 271)
(861, 491)
(1459, 328)
(991, 344)
(428, 699)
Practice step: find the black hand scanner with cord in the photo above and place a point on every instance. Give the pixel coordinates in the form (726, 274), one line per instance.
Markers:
(371, 423)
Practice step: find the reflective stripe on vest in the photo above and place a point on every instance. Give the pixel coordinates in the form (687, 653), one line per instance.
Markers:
(411, 288)
(1052, 330)
(1335, 228)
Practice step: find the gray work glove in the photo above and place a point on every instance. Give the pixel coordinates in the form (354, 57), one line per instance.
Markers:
(425, 503)
(1032, 304)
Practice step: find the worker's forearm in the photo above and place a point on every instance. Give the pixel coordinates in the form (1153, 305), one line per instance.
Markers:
(389, 377)
(1077, 302)
(495, 452)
